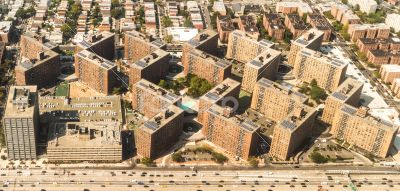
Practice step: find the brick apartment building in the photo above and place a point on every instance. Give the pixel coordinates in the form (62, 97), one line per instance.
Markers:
(150, 99)
(152, 67)
(348, 92)
(329, 72)
(39, 64)
(312, 39)
(366, 44)
(243, 48)
(248, 24)
(275, 101)
(159, 133)
(374, 31)
(138, 45)
(222, 94)
(265, 65)
(96, 72)
(319, 22)
(389, 72)
(274, 26)
(102, 44)
(225, 27)
(356, 127)
(292, 132)
(380, 57)
(295, 25)
(234, 134)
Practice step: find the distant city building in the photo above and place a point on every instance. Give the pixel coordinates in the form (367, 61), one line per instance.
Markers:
(39, 64)
(21, 122)
(358, 128)
(222, 94)
(312, 39)
(275, 100)
(84, 141)
(274, 26)
(379, 30)
(244, 48)
(265, 65)
(311, 65)
(292, 132)
(150, 99)
(159, 133)
(348, 92)
(96, 72)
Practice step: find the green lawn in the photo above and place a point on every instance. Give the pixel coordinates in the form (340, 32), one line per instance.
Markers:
(62, 89)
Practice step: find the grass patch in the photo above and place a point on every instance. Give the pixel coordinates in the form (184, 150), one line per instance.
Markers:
(62, 90)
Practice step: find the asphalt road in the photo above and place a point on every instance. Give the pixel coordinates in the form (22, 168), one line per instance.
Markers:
(91, 179)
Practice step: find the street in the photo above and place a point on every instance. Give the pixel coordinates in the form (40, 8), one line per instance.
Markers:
(92, 179)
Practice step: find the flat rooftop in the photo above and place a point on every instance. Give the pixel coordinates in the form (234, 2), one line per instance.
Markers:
(308, 37)
(5, 26)
(84, 109)
(84, 135)
(379, 123)
(96, 59)
(262, 43)
(323, 58)
(347, 88)
(221, 90)
(296, 118)
(237, 120)
(202, 37)
(249, 23)
(283, 87)
(20, 102)
(157, 91)
(161, 119)
(95, 39)
(150, 59)
(218, 62)
(27, 64)
(263, 59)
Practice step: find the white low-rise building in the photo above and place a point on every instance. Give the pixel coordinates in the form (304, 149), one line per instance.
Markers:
(181, 34)
(393, 21)
(366, 6)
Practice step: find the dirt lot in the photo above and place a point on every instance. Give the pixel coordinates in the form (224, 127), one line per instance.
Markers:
(78, 89)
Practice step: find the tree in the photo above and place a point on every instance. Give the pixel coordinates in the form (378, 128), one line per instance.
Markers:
(177, 157)
(147, 161)
(313, 83)
(219, 158)
(329, 15)
(168, 38)
(304, 17)
(318, 158)
(317, 93)
(345, 2)
(188, 23)
(163, 84)
(166, 21)
(253, 162)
